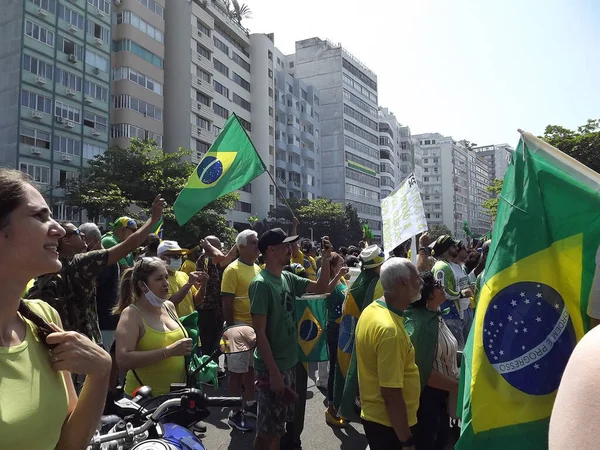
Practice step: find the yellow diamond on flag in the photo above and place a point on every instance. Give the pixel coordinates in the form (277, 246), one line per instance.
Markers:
(309, 331)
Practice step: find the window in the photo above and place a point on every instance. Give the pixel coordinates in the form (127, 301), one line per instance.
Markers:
(140, 24)
(202, 147)
(362, 161)
(201, 98)
(68, 79)
(240, 62)
(35, 138)
(60, 211)
(362, 177)
(61, 177)
(70, 16)
(219, 66)
(216, 130)
(95, 60)
(130, 131)
(38, 67)
(241, 102)
(271, 92)
(203, 75)
(356, 85)
(239, 80)
(231, 40)
(203, 123)
(36, 101)
(247, 125)
(270, 73)
(48, 5)
(221, 89)
(102, 5)
(67, 112)
(202, 27)
(356, 100)
(98, 31)
(291, 64)
(95, 121)
(243, 207)
(365, 208)
(359, 74)
(220, 111)
(34, 31)
(362, 192)
(153, 6)
(90, 151)
(360, 118)
(126, 73)
(221, 45)
(135, 104)
(66, 145)
(360, 132)
(39, 174)
(203, 51)
(129, 46)
(96, 91)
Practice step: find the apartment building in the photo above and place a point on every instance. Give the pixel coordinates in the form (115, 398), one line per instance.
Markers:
(350, 161)
(389, 164)
(54, 91)
(498, 157)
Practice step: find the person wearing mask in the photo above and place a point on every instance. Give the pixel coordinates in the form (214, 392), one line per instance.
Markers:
(436, 357)
(39, 405)
(236, 308)
(272, 296)
(445, 249)
(123, 228)
(151, 342)
(185, 291)
(387, 374)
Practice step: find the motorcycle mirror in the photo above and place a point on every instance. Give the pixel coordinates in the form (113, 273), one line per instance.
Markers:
(237, 339)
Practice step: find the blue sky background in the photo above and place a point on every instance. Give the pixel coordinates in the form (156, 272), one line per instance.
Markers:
(472, 69)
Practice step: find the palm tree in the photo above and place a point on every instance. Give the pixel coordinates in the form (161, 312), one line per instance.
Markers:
(240, 12)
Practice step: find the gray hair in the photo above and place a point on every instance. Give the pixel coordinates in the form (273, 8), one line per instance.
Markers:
(242, 239)
(91, 231)
(394, 270)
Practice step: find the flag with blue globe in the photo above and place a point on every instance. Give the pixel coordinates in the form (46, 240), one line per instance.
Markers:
(312, 336)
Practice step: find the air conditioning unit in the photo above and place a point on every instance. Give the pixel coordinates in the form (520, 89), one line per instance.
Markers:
(98, 41)
(99, 13)
(67, 158)
(72, 58)
(59, 119)
(37, 115)
(36, 151)
(89, 100)
(72, 28)
(42, 12)
(71, 92)
(199, 106)
(118, 2)
(96, 70)
(40, 80)
(69, 124)
(95, 132)
(199, 80)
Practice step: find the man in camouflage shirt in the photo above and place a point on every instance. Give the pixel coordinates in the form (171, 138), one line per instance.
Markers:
(72, 291)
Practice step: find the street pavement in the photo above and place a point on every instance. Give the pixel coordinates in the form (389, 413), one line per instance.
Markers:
(317, 435)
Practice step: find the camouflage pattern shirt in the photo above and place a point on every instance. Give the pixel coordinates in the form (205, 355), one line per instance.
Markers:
(212, 297)
(72, 292)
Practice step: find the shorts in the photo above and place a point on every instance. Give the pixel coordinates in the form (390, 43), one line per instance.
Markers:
(240, 362)
(272, 412)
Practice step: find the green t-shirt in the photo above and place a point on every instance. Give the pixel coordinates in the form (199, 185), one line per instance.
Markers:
(335, 301)
(274, 297)
(110, 240)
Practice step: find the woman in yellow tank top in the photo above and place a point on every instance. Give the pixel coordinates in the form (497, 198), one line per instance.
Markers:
(151, 344)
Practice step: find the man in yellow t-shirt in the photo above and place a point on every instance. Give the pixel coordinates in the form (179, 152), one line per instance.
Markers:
(185, 291)
(306, 256)
(388, 377)
(236, 309)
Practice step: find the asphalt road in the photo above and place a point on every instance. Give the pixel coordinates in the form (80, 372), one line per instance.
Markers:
(317, 435)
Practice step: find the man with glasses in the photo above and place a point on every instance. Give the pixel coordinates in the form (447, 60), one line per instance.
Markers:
(123, 228)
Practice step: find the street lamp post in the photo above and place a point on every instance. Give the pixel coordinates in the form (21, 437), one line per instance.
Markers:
(311, 235)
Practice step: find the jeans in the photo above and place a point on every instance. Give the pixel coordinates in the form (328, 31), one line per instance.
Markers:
(381, 437)
(333, 333)
(433, 422)
(210, 324)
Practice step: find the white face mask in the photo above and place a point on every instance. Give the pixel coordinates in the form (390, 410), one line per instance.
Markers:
(154, 299)
(175, 264)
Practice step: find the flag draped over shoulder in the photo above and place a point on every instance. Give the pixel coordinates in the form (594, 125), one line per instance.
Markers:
(532, 307)
(230, 164)
(345, 387)
(312, 322)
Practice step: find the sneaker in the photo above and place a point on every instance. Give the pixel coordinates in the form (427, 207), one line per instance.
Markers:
(200, 427)
(251, 411)
(238, 421)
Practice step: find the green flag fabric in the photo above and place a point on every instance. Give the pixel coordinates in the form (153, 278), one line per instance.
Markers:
(532, 306)
(345, 388)
(312, 322)
(230, 164)
(158, 228)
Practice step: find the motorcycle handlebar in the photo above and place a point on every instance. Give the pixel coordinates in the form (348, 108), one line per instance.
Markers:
(223, 402)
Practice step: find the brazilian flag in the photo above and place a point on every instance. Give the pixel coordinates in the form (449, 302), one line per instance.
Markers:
(532, 308)
(312, 336)
(158, 228)
(345, 388)
(230, 164)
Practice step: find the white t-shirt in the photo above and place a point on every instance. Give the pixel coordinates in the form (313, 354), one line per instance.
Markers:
(462, 282)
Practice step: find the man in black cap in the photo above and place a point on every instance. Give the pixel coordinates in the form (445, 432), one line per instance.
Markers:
(272, 295)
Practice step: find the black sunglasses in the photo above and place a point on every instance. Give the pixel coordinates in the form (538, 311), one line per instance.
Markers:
(76, 231)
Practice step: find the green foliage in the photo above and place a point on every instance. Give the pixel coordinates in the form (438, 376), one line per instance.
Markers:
(438, 229)
(583, 144)
(121, 178)
(491, 204)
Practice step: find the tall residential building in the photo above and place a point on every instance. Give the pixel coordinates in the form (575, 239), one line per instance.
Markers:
(389, 164)
(453, 184)
(54, 90)
(297, 135)
(214, 67)
(349, 125)
(498, 157)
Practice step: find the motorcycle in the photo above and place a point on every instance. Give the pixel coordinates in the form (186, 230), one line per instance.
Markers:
(134, 425)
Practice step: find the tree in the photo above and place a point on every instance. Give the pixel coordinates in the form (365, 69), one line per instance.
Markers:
(121, 178)
(491, 204)
(240, 12)
(468, 144)
(438, 229)
(583, 144)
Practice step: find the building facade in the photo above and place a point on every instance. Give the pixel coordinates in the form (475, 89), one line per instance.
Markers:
(389, 154)
(55, 91)
(498, 157)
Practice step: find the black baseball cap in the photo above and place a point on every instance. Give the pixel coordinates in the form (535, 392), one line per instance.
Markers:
(442, 244)
(275, 236)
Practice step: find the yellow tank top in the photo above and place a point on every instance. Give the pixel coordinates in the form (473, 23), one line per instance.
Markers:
(160, 375)
(33, 397)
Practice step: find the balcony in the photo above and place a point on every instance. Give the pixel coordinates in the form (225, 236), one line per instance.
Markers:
(203, 62)
(293, 148)
(386, 154)
(205, 111)
(307, 136)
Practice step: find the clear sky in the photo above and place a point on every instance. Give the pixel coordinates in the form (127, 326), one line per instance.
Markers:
(471, 69)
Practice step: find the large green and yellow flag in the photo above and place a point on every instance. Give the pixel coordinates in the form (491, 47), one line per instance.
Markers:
(312, 322)
(532, 307)
(230, 164)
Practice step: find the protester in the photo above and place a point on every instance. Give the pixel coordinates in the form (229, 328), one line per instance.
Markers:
(236, 309)
(151, 245)
(40, 409)
(425, 261)
(189, 263)
(436, 357)
(304, 254)
(151, 342)
(479, 281)
(272, 297)
(123, 228)
(463, 282)
(387, 374)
